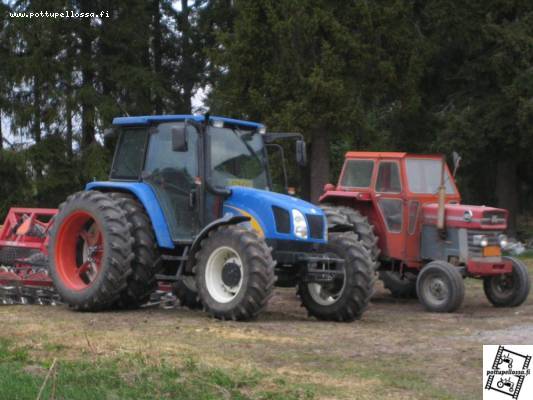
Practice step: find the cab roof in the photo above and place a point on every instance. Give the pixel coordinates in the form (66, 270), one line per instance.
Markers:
(151, 119)
(388, 154)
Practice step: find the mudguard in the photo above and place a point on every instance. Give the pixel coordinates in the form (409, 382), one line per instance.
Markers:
(147, 197)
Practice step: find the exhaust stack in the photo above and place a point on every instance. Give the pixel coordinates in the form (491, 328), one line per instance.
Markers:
(442, 197)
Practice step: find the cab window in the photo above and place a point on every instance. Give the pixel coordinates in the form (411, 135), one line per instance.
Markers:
(129, 156)
(424, 176)
(388, 180)
(357, 174)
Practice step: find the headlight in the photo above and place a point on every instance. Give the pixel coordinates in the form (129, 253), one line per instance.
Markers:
(503, 241)
(299, 224)
(480, 240)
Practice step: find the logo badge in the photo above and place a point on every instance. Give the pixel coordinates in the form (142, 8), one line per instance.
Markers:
(507, 373)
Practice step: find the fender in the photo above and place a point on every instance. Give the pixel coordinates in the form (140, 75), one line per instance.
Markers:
(341, 194)
(145, 194)
(227, 219)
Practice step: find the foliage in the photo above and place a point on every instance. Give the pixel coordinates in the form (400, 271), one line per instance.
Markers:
(420, 76)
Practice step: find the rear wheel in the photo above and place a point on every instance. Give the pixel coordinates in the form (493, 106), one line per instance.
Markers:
(90, 251)
(508, 290)
(361, 226)
(440, 287)
(399, 285)
(347, 296)
(186, 292)
(146, 259)
(234, 273)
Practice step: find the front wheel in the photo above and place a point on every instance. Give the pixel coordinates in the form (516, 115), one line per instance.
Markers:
(440, 287)
(508, 290)
(234, 273)
(346, 297)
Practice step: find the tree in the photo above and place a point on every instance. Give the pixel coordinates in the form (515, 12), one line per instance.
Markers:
(317, 67)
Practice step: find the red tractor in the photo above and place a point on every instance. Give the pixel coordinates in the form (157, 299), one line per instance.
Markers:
(407, 212)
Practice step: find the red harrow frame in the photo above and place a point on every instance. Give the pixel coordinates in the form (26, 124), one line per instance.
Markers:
(24, 277)
(24, 258)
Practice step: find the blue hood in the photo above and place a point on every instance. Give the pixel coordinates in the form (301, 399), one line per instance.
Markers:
(258, 204)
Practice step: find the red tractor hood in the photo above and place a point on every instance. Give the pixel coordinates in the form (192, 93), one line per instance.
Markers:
(464, 216)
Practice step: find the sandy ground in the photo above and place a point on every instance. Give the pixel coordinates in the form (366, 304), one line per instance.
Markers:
(397, 351)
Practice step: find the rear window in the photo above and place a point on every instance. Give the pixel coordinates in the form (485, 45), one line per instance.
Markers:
(129, 156)
(357, 173)
(423, 176)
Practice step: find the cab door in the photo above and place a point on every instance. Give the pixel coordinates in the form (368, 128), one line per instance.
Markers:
(172, 176)
(391, 207)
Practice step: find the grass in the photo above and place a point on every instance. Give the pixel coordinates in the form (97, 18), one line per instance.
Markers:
(133, 377)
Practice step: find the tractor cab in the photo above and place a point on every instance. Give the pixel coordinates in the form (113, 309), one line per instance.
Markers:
(407, 210)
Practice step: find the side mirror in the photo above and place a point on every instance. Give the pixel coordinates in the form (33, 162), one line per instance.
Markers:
(301, 153)
(179, 138)
(456, 162)
(110, 135)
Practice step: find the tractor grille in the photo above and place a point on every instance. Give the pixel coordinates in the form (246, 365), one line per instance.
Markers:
(283, 219)
(316, 226)
(475, 250)
(493, 217)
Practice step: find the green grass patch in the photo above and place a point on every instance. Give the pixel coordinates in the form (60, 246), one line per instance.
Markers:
(134, 377)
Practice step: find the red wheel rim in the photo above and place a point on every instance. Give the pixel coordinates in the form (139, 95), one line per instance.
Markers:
(79, 250)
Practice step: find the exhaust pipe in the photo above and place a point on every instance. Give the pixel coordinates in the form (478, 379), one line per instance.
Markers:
(441, 220)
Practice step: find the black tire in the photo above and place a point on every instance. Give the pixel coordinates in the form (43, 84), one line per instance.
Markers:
(146, 260)
(362, 227)
(509, 290)
(400, 287)
(255, 281)
(440, 287)
(9, 255)
(187, 294)
(117, 251)
(353, 293)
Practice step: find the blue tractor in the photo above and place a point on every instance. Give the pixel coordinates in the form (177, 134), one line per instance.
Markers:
(188, 201)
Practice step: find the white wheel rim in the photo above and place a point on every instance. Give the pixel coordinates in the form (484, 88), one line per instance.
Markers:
(323, 296)
(216, 287)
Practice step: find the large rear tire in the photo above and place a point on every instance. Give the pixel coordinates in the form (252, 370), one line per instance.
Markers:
(400, 287)
(90, 251)
(509, 290)
(361, 227)
(146, 258)
(346, 298)
(186, 292)
(440, 287)
(234, 273)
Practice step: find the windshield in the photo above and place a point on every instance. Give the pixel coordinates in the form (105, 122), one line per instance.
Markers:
(357, 173)
(237, 158)
(423, 176)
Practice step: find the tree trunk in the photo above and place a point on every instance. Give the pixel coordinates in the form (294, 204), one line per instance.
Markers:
(188, 80)
(36, 127)
(507, 190)
(319, 163)
(156, 48)
(87, 76)
(1, 133)
(68, 117)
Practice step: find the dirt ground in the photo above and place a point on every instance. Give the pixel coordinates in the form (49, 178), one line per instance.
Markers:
(397, 351)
